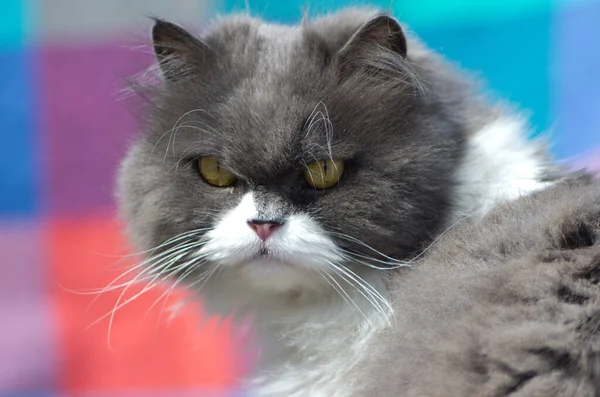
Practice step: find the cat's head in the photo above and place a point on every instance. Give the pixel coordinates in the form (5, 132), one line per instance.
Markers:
(275, 156)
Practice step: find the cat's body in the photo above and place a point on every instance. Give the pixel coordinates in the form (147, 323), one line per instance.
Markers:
(421, 151)
(506, 306)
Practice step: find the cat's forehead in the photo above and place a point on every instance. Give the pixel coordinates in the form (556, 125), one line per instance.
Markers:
(284, 90)
(254, 44)
(268, 51)
(277, 135)
(278, 44)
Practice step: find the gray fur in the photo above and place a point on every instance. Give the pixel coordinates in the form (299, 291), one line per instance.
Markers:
(509, 306)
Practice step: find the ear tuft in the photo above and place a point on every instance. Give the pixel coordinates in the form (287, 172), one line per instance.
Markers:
(176, 50)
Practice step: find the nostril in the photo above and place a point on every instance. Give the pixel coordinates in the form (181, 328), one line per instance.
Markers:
(263, 221)
(264, 229)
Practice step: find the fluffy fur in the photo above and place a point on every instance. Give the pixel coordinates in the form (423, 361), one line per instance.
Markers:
(423, 151)
(509, 306)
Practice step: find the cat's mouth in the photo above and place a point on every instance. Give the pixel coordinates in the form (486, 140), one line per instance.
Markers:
(263, 252)
(266, 255)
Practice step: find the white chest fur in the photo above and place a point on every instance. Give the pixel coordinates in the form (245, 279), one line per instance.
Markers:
(313, 351)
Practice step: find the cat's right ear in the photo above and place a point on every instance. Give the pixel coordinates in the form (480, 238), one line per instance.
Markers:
(178, 52)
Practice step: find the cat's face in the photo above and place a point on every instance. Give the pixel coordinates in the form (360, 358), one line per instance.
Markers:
(278, 155)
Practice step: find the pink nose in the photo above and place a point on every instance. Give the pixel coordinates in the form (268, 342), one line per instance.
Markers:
(264, 229)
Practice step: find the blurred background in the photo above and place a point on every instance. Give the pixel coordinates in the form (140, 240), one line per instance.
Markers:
(64, 126)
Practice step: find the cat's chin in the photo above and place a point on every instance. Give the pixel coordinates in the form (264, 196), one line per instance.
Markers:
(257, 285)
(272, 274)
(250, 282)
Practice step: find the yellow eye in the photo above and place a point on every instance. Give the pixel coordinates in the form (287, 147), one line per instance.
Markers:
(324, 174)
(214, 174)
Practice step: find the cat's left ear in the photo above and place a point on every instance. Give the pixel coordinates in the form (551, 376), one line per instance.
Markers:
(381, 32)
(177, 51)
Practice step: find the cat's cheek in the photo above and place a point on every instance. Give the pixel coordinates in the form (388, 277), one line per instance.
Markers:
(308, 244)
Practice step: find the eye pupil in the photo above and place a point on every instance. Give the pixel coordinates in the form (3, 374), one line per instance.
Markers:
(214, 174)
(324, 174)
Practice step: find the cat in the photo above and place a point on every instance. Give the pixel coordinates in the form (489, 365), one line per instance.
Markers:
(285, 171)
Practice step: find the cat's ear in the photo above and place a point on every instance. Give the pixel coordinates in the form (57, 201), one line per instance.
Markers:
(177, 51)
(381, 32)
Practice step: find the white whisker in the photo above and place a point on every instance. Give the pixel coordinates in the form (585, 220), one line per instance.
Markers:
(349, 299)
(370, 294)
